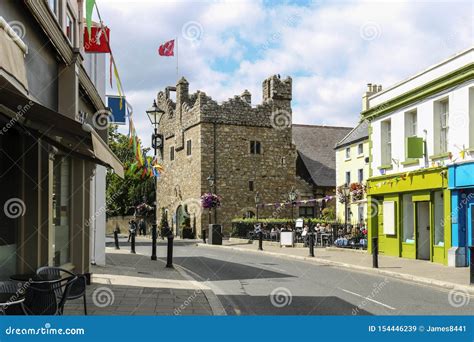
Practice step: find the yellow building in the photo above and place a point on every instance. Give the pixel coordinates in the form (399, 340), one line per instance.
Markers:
(352, 169)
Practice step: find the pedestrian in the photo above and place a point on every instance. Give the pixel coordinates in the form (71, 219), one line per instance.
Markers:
(132, 229)
(142, 227)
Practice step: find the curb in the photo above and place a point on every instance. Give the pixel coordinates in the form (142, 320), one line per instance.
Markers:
(416, 279)
(214, 302)
(216, 306)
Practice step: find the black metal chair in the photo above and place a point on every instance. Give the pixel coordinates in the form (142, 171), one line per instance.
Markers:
(19, 291)
(76, 290)
(41, 298)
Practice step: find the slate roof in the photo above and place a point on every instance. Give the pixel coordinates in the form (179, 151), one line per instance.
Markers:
(316, 156)
(359, 133)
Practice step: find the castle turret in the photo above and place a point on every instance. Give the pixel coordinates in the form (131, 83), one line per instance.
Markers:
(182, 92)
(276, 89)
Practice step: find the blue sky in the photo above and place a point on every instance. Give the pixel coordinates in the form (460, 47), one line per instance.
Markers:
(331, 49)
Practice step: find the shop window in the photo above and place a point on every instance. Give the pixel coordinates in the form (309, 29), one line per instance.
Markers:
(408, 219)
(389, 223)
(438, 219)
(61, 210)
(306, 212)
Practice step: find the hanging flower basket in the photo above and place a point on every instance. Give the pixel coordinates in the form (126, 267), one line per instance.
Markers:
(357, 191)
(340, 194)
(209, 200)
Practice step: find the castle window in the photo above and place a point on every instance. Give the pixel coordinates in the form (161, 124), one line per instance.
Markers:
(255, 147)
(251, 186)
(172, 153)
(188, 147)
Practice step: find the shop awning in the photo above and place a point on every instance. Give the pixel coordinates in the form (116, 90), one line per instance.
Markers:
(12, 56)
(57, 129)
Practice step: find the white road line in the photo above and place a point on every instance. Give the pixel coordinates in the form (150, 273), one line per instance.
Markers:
(367, 298)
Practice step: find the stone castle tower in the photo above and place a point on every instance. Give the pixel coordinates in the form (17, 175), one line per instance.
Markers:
(244, 149)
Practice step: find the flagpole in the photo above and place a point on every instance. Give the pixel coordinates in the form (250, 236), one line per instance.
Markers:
(177, 60)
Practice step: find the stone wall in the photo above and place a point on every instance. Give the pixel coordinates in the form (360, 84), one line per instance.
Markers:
(221, 136)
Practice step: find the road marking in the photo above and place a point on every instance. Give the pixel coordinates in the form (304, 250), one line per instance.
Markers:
(369, 299)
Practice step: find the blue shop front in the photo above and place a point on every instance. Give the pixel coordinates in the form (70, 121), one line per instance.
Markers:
(461, 184)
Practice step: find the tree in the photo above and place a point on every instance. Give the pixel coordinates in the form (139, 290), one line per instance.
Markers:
(124, 194)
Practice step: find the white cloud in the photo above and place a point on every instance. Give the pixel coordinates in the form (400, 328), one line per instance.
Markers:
(330, 49)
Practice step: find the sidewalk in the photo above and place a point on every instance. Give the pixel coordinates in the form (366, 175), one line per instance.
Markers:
(419, 271)
(132, 284)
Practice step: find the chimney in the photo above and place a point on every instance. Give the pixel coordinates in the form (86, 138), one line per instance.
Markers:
(372, 89)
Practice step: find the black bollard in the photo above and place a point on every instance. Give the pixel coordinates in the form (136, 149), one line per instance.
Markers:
(471, 265)
(132, 249)
(375, 252)
(116, 239)
(260, 241)
(311, 244)
(204, 236)
(153, 241)
(169, 257)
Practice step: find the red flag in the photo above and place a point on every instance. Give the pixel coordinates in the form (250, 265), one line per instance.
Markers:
(167, 49)
(99, 42)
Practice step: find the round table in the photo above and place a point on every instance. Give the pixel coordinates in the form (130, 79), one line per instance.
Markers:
(35, 278)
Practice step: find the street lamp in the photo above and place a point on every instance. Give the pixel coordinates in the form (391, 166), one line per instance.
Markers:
(257, 202)
(155, 114)
(292, 197)
(346, 192)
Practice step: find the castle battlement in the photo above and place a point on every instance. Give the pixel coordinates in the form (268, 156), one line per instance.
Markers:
(191, 109)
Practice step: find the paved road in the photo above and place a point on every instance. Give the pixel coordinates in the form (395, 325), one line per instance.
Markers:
(251, 284)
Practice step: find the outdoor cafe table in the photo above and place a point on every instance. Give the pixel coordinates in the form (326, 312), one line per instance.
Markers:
(35, 278)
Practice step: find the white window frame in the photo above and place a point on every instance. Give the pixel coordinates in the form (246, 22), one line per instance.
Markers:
(348, 152)
(70, 16)
(360, 149)
(443, 125)
(386, 140)
(348, 178)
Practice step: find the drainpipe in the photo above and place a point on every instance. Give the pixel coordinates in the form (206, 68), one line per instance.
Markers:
(215, 165)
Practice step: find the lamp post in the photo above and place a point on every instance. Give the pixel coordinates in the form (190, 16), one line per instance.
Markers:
(346, 192)
(155, 114)
(292, 197)
(257, 202)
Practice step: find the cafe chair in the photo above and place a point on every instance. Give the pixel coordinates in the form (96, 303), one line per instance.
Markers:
(16, 288)
(77, 289)
(41, 298)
